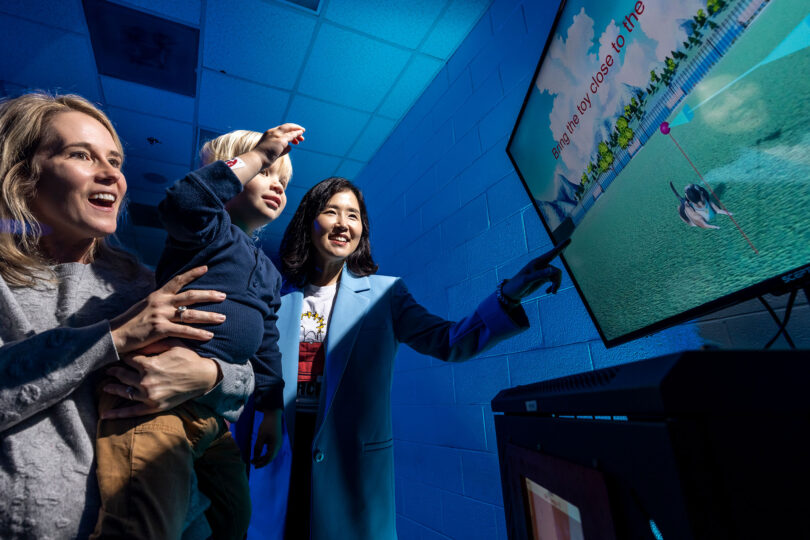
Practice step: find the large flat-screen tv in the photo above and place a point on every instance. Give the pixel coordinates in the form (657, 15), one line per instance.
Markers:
(670, 140)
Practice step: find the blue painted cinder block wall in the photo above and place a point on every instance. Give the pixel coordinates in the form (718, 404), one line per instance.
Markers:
(449, 214)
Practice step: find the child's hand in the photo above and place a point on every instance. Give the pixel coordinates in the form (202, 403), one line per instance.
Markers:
(268, 439)
(276, 142)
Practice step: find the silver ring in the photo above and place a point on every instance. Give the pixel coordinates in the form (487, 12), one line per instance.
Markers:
(179, 312)
(130, 393)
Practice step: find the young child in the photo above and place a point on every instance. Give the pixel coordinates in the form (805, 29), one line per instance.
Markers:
(146, 465)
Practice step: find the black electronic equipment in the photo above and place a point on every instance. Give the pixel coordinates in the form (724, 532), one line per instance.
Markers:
(695, 445)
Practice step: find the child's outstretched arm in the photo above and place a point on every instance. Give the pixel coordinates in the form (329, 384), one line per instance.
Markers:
(273, 144)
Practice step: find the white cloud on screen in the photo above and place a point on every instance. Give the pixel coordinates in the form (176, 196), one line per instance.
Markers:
(569, 68)
(662, 21)
(565, 77)
(566, 54)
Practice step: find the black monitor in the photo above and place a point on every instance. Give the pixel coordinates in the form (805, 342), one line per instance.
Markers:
(706, 444)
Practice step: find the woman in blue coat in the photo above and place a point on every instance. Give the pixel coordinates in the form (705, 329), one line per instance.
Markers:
(340, 327)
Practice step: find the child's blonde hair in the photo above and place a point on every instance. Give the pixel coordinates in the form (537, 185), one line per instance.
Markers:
(238, 142)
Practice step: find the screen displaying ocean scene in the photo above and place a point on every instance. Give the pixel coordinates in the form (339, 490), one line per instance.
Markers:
(685, 176)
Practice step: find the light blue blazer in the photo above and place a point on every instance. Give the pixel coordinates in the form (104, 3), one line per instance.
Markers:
(353, 462)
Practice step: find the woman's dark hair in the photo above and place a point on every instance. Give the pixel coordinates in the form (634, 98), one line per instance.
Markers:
(297, 251)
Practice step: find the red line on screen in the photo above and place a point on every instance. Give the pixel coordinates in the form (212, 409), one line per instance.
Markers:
(713, 194)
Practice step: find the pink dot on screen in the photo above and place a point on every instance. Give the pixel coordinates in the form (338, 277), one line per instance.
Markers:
(665, 128)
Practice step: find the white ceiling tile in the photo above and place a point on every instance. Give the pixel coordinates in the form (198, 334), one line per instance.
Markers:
(146, 99)
(350, 168)
(65, 14)
(174, 140)
(405, 23)
(351, 69)
(257, 41)
(42, 57)
(227, 103)
(309, 168)
(331, 129)
(145, 175)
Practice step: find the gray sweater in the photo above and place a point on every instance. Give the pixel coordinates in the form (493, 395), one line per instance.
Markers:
(53, 340)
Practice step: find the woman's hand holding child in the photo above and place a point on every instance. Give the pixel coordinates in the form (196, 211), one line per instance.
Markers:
(157, 317)
(160, 377)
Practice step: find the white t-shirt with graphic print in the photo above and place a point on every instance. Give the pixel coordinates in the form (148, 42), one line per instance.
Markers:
(315, 311)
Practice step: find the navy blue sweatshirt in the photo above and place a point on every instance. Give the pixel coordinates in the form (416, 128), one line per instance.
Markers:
(201, 233)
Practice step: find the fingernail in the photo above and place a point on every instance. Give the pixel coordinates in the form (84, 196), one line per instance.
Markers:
(220, 317)
(209, 334)
(221, 295)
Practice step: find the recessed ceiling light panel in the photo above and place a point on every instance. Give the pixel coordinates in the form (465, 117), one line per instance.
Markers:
(135, 46)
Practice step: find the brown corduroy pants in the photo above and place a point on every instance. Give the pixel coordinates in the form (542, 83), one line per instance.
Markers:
(146, 468)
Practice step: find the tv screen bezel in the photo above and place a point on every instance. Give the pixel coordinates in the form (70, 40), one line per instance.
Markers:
(773, 285)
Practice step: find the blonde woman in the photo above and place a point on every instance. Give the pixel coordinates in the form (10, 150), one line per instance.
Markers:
(64, 294)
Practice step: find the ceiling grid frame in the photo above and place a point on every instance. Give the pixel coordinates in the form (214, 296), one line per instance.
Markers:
(401, 87)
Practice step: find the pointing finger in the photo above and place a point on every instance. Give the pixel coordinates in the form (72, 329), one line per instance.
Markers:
(556, 250)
